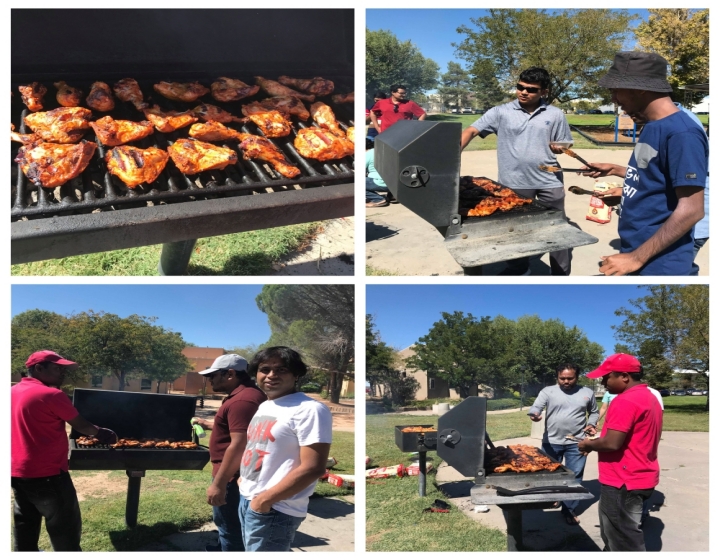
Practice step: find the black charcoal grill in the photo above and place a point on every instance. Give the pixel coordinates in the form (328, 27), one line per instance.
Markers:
(97, 212)
(420, 163)
(136, 416)
(462, 441)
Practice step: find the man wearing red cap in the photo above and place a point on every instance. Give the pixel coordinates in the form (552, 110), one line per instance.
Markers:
(627, 452)
(41, 485)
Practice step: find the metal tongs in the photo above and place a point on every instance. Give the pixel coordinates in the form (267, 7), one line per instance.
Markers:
(569, 152)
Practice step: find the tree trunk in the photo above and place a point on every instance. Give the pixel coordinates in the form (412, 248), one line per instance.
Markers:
(462, 391)
(336, 381)
(121, 378)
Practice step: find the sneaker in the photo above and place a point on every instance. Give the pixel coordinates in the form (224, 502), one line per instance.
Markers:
(378, 204)
(391, 199)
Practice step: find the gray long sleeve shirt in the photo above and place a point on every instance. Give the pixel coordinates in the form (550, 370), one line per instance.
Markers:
(566, 412)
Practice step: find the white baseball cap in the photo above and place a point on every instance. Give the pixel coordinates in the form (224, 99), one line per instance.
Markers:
(226, 361)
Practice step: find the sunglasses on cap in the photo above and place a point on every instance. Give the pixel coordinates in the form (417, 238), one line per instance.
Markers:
(526, 88)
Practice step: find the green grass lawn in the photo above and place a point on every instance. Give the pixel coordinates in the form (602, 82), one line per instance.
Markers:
(246, 254)
(170, 501)
(372, 271)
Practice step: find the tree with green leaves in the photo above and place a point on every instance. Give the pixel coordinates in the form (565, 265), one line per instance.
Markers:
(576, 47)
(383, 368)
(316, 320)
(485, 85)
(37, 329)
(682, 37)
(391, 61)
(455, 86)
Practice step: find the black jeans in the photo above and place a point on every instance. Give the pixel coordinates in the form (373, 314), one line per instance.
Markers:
(620, 513)
(53, 498)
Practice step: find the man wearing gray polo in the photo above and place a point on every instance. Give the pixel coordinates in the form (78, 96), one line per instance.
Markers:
(526, 128)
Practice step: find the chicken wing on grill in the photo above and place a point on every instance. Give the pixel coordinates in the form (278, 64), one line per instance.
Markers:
(324, 116)
(317, 86)
(170, 120)
(344, 97)
(272, 123)
(276, 89)
(207, 113)
(100, 97)
(228, 89)
(212, 131)
(128, 90)
(322, 145)
(181, 92)
(51, 165)
(64, 125)
(114, 133)
(256, 147)
(23, 138)
(68, 96)
(134, 165)
(32, 95)
(287, 105)
(192, 156)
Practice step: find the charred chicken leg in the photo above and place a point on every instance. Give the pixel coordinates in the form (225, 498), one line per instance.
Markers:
(228, 89)
(324, 116)
(135, 166)
(23, 138)
(100, 97)
(276, 89)
(64, 125)
(181, 92)
(207, 113)
(192, 156)
(322, 145)
(128, 90)
(272, 123)
(32, 95)
(68, 96)
(51, 165)
(212, 131)
(256, 147)
(170, 120)
(114, 133)
(287, 105)
(344, 97)
(317, 86)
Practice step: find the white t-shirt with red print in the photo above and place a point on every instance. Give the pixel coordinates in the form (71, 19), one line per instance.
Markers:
(278, 430)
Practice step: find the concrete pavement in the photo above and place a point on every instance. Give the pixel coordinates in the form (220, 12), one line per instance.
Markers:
(679, 514)
(400, 242)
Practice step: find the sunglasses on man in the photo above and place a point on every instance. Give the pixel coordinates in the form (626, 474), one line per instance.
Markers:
(521, 87)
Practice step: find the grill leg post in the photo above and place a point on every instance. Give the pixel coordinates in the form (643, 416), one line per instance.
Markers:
(175, 257)
(133, 497)
(422, 462)
(513, 518)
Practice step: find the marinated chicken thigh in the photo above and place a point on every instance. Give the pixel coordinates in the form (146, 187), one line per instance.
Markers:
(64, 125)
(23, 138)
(344, 97)
(272, 123)
(68, 96)
(181, 92)
(192, 156)
(207, 112)
(256, 147)
(100, 97)
(228, 89)
(51, 165)
(322, 145)
(324, 116)
(317, 86)
(32, 95)
(114, 133)
(128, 90)
(170, 120)
(212, 131)
(276, 89)
(134, 165)
(287, 105)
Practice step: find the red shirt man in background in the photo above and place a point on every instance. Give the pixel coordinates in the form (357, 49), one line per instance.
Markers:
(42, 487)
(397, 108)
(627, 452)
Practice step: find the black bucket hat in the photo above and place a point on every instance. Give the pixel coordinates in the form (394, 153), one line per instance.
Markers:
(637, 70)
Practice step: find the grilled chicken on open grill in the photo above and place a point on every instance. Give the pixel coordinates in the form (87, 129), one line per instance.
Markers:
(68, 96)
(170, 120)
(135, 166)
(256, 147)
(115, 133)
(519, 458)
(51, 165)
(206, 112)
(87, 440)
(100, 97)
(128, 90)
(350, 133)
(23, 138)
(192, 156)
(317, 143)
(32, 95)
(64, 125)
(272, 123)
(287, 105)
(317, 86)
(276, 89)
(491, 204)
(212, 131)
(324, 116)
(344, 97)
(181, 92)
(228, 89)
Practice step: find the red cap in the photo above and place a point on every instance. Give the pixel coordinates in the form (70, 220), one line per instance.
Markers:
(49, 356)
(620, 363)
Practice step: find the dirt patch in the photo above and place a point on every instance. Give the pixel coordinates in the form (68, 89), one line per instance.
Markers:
(98, 485)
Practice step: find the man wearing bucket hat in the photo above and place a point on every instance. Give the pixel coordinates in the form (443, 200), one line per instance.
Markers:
(627, 452)
(229, 374)
(665, 179)
(42, 487)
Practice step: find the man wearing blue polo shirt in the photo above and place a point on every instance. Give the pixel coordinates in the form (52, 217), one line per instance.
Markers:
(526, 128)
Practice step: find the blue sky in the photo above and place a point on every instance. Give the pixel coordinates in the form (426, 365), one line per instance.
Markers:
(206, 315)
(404, 313)
(433, 31)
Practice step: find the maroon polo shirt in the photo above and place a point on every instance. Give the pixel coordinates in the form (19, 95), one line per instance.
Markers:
(385, 111)
(234, 416)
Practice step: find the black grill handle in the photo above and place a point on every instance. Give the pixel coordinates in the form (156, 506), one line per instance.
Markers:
(541, 490)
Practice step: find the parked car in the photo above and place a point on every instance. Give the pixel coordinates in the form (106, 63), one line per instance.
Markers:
(664, 393)
(454, 110)
(608, 112)
(466, 111)
(705, 392)
(595, 112)
(680, 393)
(696, 392)
(581, 112)
(478, 111)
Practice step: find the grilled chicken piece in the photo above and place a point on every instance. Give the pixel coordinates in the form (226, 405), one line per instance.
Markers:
(114, 133)
(350, 133)
(68, 96)
(87, 440)
(192, 156)
(322, 145)
(163, 444)
(344, 97)
(228, 89)
(272, 123)
(64, 125)
(32, 95)
(181, 92)
(148, 443)
(187, 445)
(100, 97)
(23, 138)
(128, 90)
(207, 113)
(324, 116)
(170, 120)
(51, 165)
(317, 86)
(276, 89)
(519, 458)
(287, 105)
(503, 203)
(212, 131)
(256, 147)
(134, 165)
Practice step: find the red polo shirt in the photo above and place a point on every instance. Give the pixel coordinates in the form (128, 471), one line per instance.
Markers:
(385, 111)
(637, 413)
(234, 415)
(39, 442)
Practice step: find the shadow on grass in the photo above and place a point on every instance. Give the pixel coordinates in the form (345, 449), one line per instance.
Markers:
(699, 407)
(237, 265)
(141, 535)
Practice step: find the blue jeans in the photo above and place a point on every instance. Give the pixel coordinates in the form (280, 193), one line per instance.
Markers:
(227, 519)
(620, 512)
(372, 190)
(574, 460)
(267, 532)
